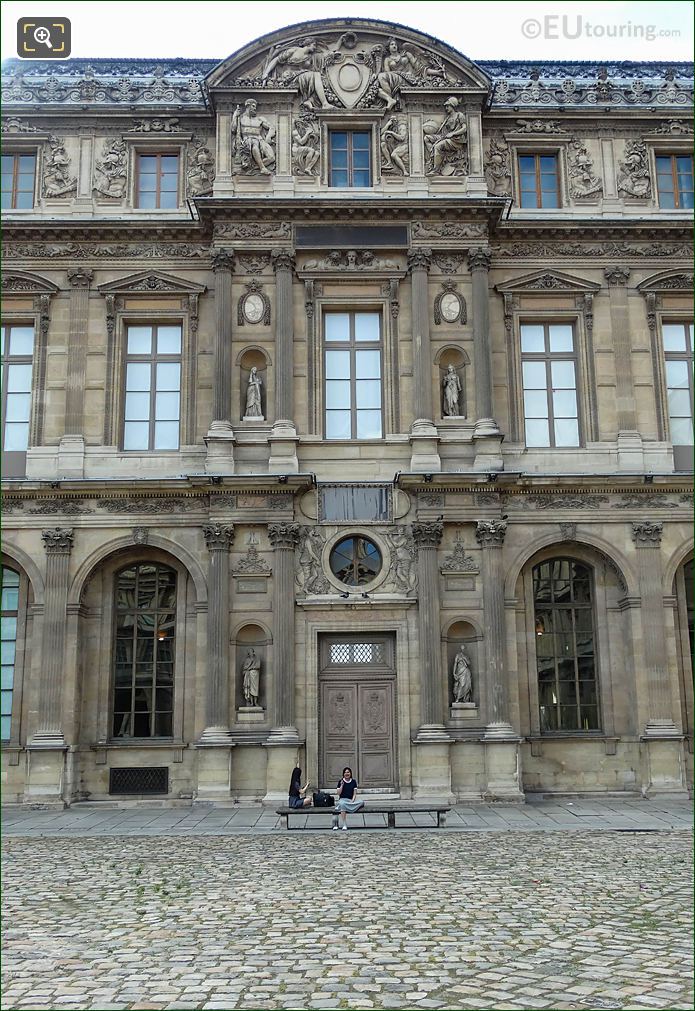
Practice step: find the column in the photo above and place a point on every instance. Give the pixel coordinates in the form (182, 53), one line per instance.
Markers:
(630, 453)
(220, 437)
(663, 767)
(501, 742)
(58, 545)
(428, 537)
(218, 540)
(71, 449)
(479, 264)
(423, 433)
(283, 439)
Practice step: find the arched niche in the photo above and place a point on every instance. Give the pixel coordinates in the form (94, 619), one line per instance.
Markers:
(451, 360)
(251, 643)
(463, 632)
(252, 401)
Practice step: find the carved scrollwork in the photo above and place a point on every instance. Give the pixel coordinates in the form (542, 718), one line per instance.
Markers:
(254, 305)
(450, 305)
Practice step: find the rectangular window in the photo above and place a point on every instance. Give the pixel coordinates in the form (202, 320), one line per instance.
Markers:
(678, 352)
(350, 163)
(152, 387)
(17, 367)
(157, 181)
(352, 368)
(350, 503)
(539, 180)
(18, 179)
(549, 372)
(674, 178)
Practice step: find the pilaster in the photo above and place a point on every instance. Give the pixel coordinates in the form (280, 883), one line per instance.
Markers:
(486, 434)
(283, 438)
(424, 439)
(220, 437)
(630, 451)
(71, 448)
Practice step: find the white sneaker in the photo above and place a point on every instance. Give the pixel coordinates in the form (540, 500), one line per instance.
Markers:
(335, 828)
(344, 828)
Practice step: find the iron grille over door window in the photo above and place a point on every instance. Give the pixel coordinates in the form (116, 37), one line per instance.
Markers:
(144, 662)
(565, 645)
(352, 348)
(549, 370)
(350, 163)
(152, 387)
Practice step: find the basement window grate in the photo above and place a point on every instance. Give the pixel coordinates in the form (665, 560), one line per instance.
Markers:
(134, 780)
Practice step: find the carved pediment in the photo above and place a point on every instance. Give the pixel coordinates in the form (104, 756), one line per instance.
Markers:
(348, 63)
(667, 280)
(22, 281)
(547, 280)
(151, 281)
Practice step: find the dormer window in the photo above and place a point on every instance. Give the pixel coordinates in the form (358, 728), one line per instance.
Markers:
(539, 180)
(18, 180)
(674, 177)
(350, 158)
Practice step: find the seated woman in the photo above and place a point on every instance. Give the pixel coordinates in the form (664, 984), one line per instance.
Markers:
(347, 798)
(298, 796)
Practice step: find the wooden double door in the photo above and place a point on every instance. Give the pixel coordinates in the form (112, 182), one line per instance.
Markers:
(357, 717)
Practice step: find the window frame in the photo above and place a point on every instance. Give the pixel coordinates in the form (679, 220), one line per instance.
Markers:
(350, 131)
(352, 345)
(22, 659)
(537, 154)
(173, 152)
(548, 357)
(14, 461)
(683, 453)
(677, 194)
(16, 154)
(153, 360)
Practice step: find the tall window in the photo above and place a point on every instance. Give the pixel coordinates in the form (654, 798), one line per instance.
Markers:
(549, 371)
(539, 180)
(152, 387)
(350, 162)
(8, 631)
(158, 181)
(678, 352)
(353, 375)
(18, 180)
(565, 645)
(674, 180)
(17, 360)
(145, 636)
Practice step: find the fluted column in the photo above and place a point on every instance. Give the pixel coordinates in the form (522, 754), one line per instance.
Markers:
(58, 545)
(427, 537)
(284, 537)
(218, 540)
(283, 263)
(79, 279)
(419, 261)
(479, 264)
(490, 535)
(647, 538)
(223, 265)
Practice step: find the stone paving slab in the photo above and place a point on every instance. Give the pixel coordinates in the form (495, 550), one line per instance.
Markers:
(448, 920)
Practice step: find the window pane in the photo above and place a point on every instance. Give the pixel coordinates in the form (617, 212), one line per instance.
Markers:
(529, 199)
(339, 160)
(674, 337)
(168, 201)
(337, 364)
(678, 403)
(27, 163)
(169, 162)
(337, 326)
(548, 163)
(16, 437)
(368, 393)
(677, 375)
(138, 376)
(338, 140)
(360, 159)
(147, 163)
(369, 424)
(338, 425)
(527, 163)
(19, 379)
(534, 376)
(167, 407)
(565, 404)
(5, 723)
(18, 406)
(8, 627)
(21, 340)
(168, 340)
(562, 375)
(561, 337)
(7, 677)
(532, 339)
(537, 433)
(361, 178)
(147, 183)
(10, 598)
(7, 650)
(137, 406)
(549, 199)
(566, 432)
(367, 326)
(367, 364)
(168, 375)
(667, 199)
(166, 435)
(535, 404)
(360, 141)
(139, 340)
(136, 435)
(337, 394)
(339, 178)
(681, 431)
(148, 201)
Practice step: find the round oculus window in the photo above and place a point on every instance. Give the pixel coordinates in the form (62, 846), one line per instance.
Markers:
(355, 561)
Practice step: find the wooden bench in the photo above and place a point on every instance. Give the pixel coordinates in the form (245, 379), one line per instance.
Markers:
(389, 810)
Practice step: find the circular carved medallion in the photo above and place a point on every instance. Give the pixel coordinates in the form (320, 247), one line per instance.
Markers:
(253, 308)
(450, 307)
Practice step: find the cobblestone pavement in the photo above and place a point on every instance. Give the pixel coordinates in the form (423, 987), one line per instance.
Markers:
(382, 919)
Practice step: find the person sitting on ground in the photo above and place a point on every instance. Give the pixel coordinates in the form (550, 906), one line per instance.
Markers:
(346, 792)
(298, 796)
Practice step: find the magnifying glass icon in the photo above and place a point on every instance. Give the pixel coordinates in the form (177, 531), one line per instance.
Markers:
(43, 36)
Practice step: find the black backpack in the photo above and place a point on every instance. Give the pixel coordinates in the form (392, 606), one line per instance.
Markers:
(322, 799)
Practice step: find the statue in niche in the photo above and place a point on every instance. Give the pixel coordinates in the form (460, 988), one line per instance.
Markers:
(452, 391)
(394, 146)
(303, 65)
(254, 404)
(463, 677)
(446, 143)
(252, 138)
(251, 674)
(401, 67)
(306, 150)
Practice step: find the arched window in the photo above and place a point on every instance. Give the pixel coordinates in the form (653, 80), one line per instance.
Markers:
(144, 654)
(565, 645)
(10, 609)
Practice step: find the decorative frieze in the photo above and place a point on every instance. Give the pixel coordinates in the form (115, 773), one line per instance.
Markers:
(107, 250)
(447, 230)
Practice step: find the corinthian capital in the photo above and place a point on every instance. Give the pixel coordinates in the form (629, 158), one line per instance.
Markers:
(223, 259)
(283, 535)
(427, 535)
(283, 259)
(57, 541)
(80, 277)
(217, 537)
(617, 276)
(490, 533)
(479, 258)
(420, 258)
(647, 534)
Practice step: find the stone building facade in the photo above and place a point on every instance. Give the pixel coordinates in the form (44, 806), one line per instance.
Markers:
(348, 420)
